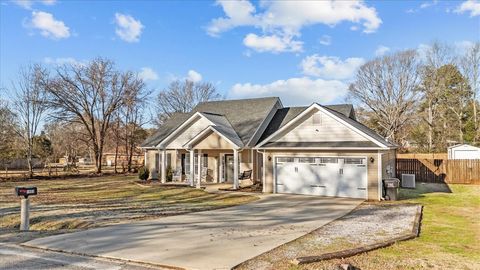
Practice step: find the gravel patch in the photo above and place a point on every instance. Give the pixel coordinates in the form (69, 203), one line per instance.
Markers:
(367, 224)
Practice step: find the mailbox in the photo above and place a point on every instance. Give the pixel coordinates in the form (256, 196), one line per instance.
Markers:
(25, 191)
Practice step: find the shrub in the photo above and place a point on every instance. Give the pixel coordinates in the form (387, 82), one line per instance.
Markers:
(143, 173)
(169, 174)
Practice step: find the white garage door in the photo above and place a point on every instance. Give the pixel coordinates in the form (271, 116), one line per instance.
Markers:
(325, 176)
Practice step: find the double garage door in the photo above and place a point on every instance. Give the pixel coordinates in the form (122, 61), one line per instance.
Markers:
(324, 176)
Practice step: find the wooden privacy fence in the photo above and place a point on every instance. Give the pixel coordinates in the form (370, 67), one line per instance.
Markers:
(436, 168)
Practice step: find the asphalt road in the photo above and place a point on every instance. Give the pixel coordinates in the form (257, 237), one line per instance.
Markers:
(14, 257)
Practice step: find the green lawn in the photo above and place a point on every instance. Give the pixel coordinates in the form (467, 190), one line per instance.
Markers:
(449, 238)
(92, 202)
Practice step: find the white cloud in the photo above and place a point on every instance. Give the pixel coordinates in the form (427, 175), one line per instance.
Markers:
(148, 74)
(27, 4)
(62, 61)
(49, 2)
(472, 6)
(237, 13)
(285, 19)
(325, 40)
(49, 27)
(381, 50)
(128, 28)
(293, 91)
(272, 43)
(193, 76)
(428, 4)
(330, 67)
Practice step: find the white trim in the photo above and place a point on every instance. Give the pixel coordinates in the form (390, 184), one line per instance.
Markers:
(320, 108)
(188, 144)
(380, 174)
(324, 148)
(192, 118)
(316, 155)
(264, 174)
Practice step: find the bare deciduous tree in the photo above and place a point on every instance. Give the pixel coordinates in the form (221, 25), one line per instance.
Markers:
(29, 106)
(90, 95)
(387, 86)
(470, 67)
(183, 96)
(435, 56)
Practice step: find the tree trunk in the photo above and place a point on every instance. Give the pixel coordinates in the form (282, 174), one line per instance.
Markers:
(29, 159)
(430, 128)
(116, 157)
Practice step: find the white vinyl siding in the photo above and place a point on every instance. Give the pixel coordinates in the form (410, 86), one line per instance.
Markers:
(188, 133)
(320, 127)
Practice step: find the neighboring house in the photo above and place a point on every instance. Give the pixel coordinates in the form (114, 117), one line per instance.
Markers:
(315, 150)
(122, 159)
(463, 151)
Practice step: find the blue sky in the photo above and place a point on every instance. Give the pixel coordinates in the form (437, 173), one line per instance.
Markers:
(300, 51)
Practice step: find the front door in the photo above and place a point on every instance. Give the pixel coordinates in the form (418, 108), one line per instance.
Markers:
(229, 168)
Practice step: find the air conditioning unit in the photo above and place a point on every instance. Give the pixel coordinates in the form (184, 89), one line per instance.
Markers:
(408, 180)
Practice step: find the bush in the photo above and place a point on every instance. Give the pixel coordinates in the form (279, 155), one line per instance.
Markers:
(143, 173)
(169, 174)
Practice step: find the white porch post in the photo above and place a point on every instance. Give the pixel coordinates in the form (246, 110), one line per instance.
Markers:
(164, 165)
(235, 169)
(264, 164)
(199, 162)
(192, 168)
(145, 158)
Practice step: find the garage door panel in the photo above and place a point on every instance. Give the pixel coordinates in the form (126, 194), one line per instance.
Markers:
(325, 176)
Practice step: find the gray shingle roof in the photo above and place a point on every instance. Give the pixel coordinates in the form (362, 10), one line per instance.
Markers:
(244, 117)
(171, 124)
(223, 126)
(281, 117)
(345, 109)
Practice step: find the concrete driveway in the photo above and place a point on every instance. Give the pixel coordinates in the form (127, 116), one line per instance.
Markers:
(218, 239)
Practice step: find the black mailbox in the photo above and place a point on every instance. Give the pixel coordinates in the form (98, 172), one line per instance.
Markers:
(25, 191)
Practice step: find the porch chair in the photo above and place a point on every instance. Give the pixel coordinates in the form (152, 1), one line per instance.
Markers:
(245, 175)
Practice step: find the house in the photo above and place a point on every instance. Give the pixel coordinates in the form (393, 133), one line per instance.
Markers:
(463, 151)
(122, 158)
(314, 150)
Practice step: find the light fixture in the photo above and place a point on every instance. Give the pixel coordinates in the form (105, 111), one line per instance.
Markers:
(372, 159)
(269, 158)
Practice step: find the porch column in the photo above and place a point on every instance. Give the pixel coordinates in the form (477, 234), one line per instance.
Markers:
(235, 169)
(199, 168)
(164, 165)
(264, 164)
(145, 158)
(192, 168)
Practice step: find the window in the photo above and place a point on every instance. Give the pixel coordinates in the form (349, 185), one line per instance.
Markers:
(353, 161)
(183, 159)
(328, 160)
(157, 161)
(285, 159)
(306, 160)
(205, 160)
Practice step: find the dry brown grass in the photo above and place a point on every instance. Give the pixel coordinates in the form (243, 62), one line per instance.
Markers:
(81, 203)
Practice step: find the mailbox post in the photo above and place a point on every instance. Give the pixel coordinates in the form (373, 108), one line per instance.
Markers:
(25, 205)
